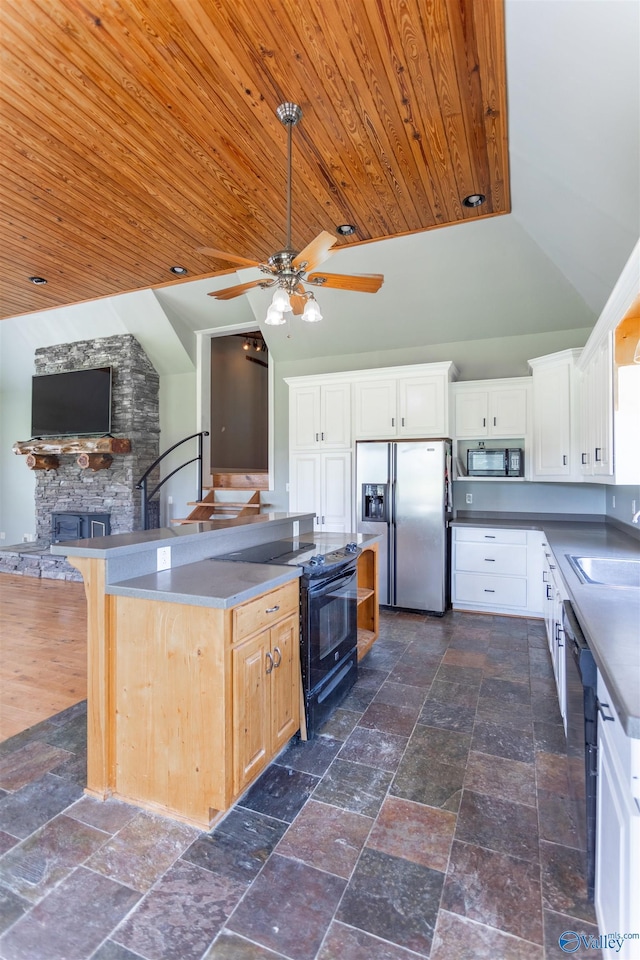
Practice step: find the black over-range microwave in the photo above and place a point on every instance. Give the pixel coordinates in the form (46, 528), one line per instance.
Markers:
(500, 462)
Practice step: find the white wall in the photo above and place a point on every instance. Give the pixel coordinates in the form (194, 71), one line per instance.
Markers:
(523, 497)
(177, 421)
(623, 508)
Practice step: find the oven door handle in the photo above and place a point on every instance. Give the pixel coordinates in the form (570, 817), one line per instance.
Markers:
(324, 586)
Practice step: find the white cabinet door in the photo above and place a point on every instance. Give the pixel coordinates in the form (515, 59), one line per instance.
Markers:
(602, 421)
(320, 417)
(552, 421)
(304, 417)
(376, 416)
(304, 483)
(335, 416)
(596, 407)
(423, 406)
(472, 413)
(335, 494)
(508, 412)
(320, 483)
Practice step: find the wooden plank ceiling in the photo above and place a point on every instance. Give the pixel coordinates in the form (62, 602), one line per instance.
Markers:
(134, 132)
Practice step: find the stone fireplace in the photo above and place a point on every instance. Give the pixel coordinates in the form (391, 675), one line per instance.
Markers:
(71, 490)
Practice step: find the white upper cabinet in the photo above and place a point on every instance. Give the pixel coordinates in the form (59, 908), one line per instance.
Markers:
(491, 408)
(376, 413)
(320, 416)
(423, 406)
(596, 403)
(555, 417)
(405, 402)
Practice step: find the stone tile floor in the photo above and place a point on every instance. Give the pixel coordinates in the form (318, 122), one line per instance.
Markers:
(430, 819)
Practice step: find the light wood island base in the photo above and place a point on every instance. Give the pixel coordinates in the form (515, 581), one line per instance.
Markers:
(187, 704)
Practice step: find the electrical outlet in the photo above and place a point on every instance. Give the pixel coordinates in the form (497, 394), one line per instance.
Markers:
(286, 487)
(469, 498)
(169, 501)
(613, 500)
(163, 555)
(3, 535)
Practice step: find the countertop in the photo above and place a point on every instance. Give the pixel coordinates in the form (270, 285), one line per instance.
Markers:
(207, 583)
(609, 616)
(119, 544)
(223, 583)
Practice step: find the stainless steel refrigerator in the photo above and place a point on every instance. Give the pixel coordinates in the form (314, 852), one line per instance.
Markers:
(404, 492)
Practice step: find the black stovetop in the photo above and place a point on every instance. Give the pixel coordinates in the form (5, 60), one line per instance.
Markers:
(312, 557)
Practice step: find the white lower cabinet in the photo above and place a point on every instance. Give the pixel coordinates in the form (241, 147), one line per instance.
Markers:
(496, 570)
(320, 483)
(617, 880)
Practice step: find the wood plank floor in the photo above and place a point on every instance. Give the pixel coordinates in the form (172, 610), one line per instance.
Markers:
(43, 650)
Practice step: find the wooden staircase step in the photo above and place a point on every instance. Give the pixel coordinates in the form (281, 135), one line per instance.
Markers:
(240, 481)
(224, 504)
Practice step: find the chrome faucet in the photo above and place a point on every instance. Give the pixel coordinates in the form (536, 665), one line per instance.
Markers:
(635, 517)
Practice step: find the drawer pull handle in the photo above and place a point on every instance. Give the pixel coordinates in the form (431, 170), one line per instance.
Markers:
(604, 715)
(549, 595)
(269, 658)
(486, 590)
(489, 560)
(276, 663)
(317, 437)
(484, 421)
(393, 421)
(583, 458)
(495, 422)
(598, 451)
(564, 459)
(273, 609)
(489, 536)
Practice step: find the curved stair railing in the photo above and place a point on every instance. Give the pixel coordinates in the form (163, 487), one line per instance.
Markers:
(147, 498)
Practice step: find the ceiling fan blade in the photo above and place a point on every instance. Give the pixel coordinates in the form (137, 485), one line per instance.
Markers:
(297, 303)
(360, 282)
(230, 292)
(316, 252)
(229, 257)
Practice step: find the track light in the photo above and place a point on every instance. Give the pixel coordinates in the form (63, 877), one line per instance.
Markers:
(246, 344)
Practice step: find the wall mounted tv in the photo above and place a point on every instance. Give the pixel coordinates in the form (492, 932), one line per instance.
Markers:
(71, 404)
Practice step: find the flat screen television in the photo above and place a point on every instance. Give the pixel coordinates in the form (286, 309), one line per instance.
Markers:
(71, 404)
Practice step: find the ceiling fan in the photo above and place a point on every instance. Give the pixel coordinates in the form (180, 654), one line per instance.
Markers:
(288, 270)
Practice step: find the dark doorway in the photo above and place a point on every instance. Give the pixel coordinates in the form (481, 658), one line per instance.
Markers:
(239, 403)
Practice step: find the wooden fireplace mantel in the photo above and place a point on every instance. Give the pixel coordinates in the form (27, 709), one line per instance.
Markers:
(71, 445)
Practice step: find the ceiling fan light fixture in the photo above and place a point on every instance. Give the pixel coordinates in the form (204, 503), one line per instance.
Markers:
(474, 200)
(281, 300)
(311, 312)
(274, 316)
(345, 229)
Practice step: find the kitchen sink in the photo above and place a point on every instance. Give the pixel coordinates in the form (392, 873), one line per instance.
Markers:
(610, 571)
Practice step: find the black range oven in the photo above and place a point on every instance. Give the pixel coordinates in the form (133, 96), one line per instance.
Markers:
(328, 618)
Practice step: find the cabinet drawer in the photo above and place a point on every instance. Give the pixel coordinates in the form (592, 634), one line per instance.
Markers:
(489, 535)
(492, 558)
(494, 591)
(264, 611)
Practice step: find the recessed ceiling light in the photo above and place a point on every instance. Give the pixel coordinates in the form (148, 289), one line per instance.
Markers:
(345, 229)
(179, 271)
(37, 280)
(474, 200)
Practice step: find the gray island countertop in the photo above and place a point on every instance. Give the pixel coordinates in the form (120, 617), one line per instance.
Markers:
(609, 616)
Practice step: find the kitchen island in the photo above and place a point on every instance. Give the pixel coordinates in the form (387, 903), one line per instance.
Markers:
(181, 715)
